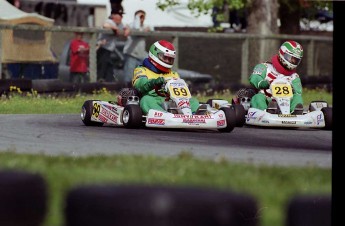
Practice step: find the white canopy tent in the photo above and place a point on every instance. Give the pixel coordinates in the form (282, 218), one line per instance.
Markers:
(24, 45)
(177, 16)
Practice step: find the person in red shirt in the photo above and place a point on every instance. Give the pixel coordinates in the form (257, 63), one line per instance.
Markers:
(79, 63)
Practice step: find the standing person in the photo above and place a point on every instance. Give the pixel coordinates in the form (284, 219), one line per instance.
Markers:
(107, 43)
(153, 72)
(283, 64)
(79, 63)
(135, 47)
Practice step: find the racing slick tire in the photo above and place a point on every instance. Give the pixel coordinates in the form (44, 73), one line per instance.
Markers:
(230, 116)
(86, 112)
(23, 198)
(327, 113)
(240, 114)
(132, 116)
(209, 102)
(157, 205)
(309, 210)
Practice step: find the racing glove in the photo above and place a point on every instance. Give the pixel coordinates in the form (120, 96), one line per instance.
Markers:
(158, 81)
(151, 84)
(263, 84)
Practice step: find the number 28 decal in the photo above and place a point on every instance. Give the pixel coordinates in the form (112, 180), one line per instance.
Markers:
(281, 90)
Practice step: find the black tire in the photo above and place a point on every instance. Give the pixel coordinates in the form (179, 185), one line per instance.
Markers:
(240, 114)
(230, 116)
(23, 198)
(132, 116)
(209, 102)
(327, 113)
(309, 210)
(150, 205)
(86, 112)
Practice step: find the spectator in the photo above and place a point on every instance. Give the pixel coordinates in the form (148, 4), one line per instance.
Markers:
(79, 55)
(238, 19)
(16, 3)
(135, 47)
(108, 44)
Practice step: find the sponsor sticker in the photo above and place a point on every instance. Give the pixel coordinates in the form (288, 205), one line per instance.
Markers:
(158, 114)
(220, 123)
(156, 121)
(109, 115)
(193, 120)
(289, 122)
(287, 115)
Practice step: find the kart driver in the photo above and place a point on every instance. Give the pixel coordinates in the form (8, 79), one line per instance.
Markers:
(283, 64)
(153, 72)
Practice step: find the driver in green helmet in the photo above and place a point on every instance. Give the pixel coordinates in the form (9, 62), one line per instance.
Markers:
(283, 64)
(153, 72)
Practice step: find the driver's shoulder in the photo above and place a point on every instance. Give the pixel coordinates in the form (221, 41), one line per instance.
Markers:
(173, 74)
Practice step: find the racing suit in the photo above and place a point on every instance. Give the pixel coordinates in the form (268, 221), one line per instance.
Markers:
(145, 78)
(261, 78)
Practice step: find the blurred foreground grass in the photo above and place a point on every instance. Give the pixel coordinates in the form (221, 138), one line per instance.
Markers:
(271, 186)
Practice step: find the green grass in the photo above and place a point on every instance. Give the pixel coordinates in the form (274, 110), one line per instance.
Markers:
(33, 103)
(271, 186)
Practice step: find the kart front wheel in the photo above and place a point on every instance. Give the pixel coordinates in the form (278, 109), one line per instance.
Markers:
(230, 116)
(132, 116)
(327, 114)
(240, 114)
(86, 111)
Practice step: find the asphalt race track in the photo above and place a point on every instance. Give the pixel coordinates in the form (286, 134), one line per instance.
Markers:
(67, 135)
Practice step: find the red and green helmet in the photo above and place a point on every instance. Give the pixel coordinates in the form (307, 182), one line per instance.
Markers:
(162, 55)
(290, 54)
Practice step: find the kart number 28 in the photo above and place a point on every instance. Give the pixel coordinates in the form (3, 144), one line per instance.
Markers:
(281, 90)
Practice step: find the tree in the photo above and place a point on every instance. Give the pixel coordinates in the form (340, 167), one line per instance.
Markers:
(263, 15)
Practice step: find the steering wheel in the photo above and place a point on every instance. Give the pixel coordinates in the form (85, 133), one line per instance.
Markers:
(161, 92)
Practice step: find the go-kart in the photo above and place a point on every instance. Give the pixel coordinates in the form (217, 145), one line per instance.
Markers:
(177, 112)
(318, 115)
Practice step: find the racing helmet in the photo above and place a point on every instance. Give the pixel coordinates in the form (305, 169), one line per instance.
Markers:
(290, 54)
(162, 55)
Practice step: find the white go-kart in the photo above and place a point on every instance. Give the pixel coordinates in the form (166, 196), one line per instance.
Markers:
(318, 114)
(177, 112)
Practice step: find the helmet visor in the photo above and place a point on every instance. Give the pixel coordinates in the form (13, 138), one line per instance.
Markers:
(293, 60)
(166, 59)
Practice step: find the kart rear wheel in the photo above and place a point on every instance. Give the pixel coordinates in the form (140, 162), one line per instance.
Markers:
(230, 116)
(132, 116)
(86, 112)
(327, 113)
(209, 102)
(240, 114)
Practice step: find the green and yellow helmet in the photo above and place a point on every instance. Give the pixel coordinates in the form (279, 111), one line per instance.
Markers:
(162, 55)
(290, 54)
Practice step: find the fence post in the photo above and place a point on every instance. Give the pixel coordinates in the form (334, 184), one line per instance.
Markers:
(1, 54)
(244, 61)
(93, 58)
(311, 58)
(175, 43)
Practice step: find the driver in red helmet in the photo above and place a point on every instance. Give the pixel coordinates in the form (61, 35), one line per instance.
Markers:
(153, 72)
(283, 64)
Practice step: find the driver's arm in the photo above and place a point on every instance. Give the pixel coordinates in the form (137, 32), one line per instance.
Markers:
(142, 83)
(257, 78)
(297, 86)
